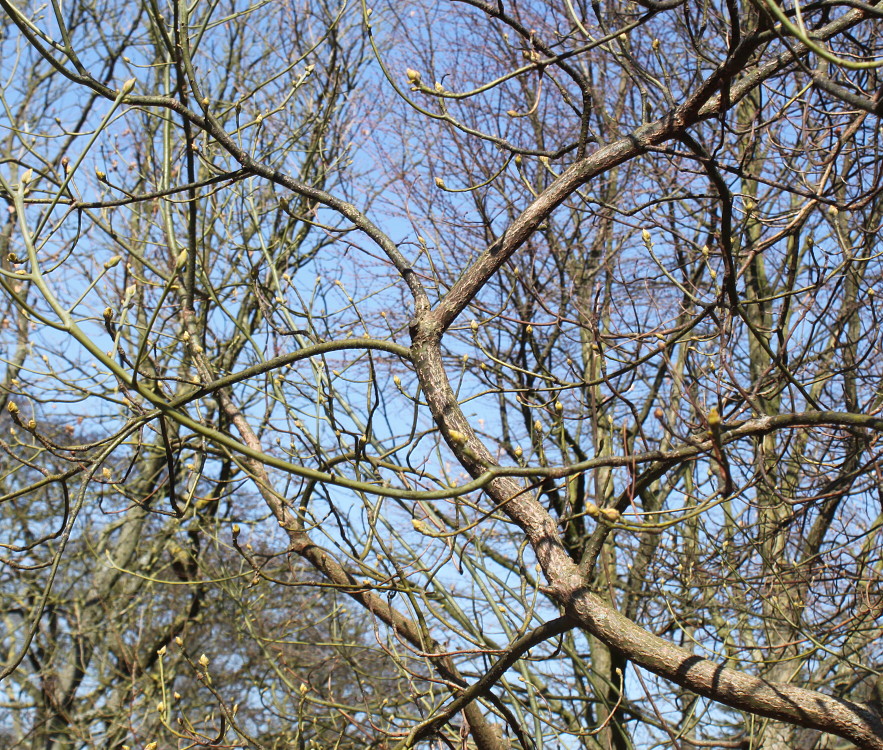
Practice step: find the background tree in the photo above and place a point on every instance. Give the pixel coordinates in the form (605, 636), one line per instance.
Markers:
(486, 374)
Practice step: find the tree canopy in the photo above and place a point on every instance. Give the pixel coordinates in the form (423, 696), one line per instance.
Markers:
(442, 374)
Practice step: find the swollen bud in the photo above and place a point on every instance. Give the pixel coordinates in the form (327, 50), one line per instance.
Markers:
(457, 437)
(128, 85)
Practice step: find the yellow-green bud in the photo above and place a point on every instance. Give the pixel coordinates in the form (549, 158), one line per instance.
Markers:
(611, 515)
(457, 437)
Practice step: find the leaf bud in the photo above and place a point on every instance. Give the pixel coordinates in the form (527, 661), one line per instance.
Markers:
(440, 183)
(12, 407)
(113, 261)
(100, 175)
(128, 85)
(655, 45)
(518, 452)
(203, 660)
(413, 76)
(457, 437)
(538, 426)
(559, 407)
